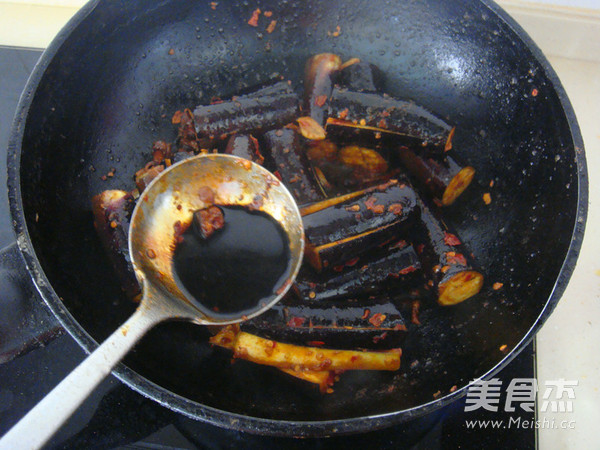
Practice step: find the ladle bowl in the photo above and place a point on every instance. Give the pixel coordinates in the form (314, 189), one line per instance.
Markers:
(170, 198)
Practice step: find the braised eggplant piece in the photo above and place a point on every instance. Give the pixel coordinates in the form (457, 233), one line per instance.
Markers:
(448, 264)
(328, 324)
(300, 358)
(245, 146)
(149, 172)
(396, 269)
(444, 178)
(318, 84)
(411, 123)
(207, 221)
(339, 229)
(292, 165)
(273, 86)
(360, 77)
(112, 213)
(161, 151)
(345, 132)
(246, 114)
(187, 139)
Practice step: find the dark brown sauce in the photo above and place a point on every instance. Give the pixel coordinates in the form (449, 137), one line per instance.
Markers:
(239, 268)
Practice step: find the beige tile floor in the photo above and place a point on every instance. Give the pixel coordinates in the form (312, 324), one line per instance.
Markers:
(568, 343)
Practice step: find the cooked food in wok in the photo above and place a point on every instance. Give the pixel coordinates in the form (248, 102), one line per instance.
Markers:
(372, 175)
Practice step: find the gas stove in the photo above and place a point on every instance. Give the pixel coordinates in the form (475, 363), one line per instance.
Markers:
(36, 353)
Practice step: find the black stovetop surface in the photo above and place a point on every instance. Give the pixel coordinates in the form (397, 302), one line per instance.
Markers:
(117, 417)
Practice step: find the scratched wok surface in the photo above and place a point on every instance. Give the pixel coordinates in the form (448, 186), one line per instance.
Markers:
(107, 87)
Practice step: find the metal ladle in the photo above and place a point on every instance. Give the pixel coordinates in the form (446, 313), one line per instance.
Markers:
(171, 197)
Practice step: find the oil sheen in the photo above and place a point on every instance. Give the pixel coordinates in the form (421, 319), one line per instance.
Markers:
(239, 268)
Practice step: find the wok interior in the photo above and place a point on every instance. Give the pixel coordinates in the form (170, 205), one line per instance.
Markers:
(110, 92)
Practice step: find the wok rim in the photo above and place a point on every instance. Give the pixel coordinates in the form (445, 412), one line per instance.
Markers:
(258, 425)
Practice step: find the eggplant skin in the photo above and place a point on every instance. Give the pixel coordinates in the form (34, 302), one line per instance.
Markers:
(449, 267)
(368, 325)
(291, 165)
(246, 114)
(342, 228)
(361, 77)
(318, 84)
(391, 270)
(112, 211)
(443, 177)
(244, 146)
(386, 114)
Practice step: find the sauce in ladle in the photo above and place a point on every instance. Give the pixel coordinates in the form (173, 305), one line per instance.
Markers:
(236, 270)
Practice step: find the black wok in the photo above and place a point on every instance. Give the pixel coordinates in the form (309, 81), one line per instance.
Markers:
(106, 88)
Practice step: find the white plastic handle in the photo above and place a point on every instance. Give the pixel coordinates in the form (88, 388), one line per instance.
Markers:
(45, 419)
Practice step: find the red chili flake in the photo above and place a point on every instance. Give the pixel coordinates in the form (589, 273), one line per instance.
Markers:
(453, 388)
(400, 327)
(451, 239)
(503, 348)
(278, 175)
(366, 313)
(497, 286)
(381, 337)
(395, 208)
(338, 268)
(353, 207)
(382, 124)
(296, 322)
(534, 92)
(491, 183)
(335, 33)
(343, 113)
(320, 100)
(377, 319)
(370, 204)
(213, 5)
(487, 198)
(177, 117)
(400, 244)
(271, 26)
(457, 259)
(171, 51)
(408, 269)
(268, 13)
(325, 364)
(316, 343)
(354, 358)
(352, 262)
(253, 22)
(103, 177)
(414, 317)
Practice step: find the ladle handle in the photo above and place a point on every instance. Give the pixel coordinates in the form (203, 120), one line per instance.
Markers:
(46, 418)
